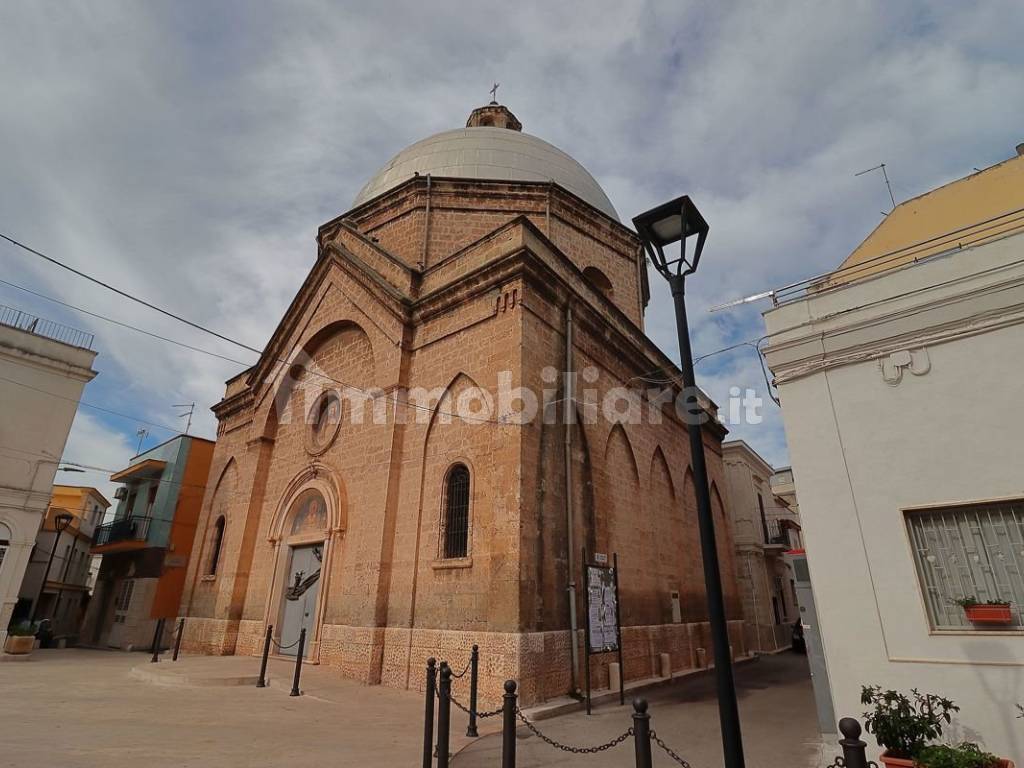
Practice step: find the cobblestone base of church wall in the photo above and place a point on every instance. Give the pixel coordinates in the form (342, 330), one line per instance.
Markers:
(538, 661)
(213, 637)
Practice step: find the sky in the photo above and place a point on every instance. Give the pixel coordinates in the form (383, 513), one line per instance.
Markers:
(186, 152)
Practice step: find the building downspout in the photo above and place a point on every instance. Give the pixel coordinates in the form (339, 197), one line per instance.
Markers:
(569, 418)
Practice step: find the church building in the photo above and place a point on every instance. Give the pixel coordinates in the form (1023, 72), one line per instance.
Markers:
(454, 407)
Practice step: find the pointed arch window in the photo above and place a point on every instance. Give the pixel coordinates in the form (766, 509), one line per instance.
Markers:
(456, 513)
(218, 541)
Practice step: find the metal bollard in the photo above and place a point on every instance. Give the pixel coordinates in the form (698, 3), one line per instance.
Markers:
(508, 726)
(298, 663)
(642, 733)
(156, 641)
(261, 681)
(854, 749)
(428, 715)
(444, 715)
(177, 639)
(474, 668)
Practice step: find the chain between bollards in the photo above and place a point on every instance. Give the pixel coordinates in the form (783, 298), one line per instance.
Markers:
(261, 681)
(156, 640)
(177, 638)
(298, 663)
(428, 714)
(474, 669)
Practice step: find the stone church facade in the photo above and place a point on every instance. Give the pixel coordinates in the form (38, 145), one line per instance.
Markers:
(369, 484)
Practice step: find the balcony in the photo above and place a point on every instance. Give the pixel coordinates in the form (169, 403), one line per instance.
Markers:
(781, 532)
(124, 534)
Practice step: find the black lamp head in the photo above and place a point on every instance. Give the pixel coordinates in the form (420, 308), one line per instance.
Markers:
(61, 521)
(668, 223)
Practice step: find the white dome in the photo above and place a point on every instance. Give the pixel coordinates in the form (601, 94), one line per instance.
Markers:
(488, 153)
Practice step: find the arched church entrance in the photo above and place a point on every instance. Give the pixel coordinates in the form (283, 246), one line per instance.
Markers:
(305, 542)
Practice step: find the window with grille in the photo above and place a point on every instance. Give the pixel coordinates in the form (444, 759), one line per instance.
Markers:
(3, 551)
(970, 551)
(456, 513)
(123, 599)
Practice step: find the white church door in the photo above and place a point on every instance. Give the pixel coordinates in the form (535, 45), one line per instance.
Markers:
(300, 595)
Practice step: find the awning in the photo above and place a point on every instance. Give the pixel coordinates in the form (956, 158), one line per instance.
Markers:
(141, 471)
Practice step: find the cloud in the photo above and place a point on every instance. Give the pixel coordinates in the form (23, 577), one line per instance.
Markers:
(94, 443)
(188, 152)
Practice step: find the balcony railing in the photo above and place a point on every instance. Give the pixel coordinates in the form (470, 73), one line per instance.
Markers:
(15, 318)
(781, 532)
(125, 529)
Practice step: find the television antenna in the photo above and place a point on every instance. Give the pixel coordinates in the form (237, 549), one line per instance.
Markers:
(142, 433)
(887, 184)
(187, 414)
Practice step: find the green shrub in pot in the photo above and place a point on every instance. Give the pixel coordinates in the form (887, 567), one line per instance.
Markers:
(902, 724)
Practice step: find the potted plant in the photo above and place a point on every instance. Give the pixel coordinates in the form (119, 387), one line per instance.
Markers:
(902, 725)
(964, 755)
(21, 638)
(990, 612)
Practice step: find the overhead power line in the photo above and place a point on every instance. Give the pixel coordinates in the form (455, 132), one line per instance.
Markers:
(124, 325)
(128, 296)
(204, 329)
(173, 430)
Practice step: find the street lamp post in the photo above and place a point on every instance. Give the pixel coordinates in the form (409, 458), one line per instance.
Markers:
(665, 225)
(61, 522)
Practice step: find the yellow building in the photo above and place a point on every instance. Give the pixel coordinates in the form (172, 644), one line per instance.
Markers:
(68, 576)
(968, 212)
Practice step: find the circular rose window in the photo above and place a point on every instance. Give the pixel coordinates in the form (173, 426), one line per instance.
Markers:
(323, 422)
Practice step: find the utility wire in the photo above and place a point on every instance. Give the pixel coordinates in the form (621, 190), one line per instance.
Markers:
(202, 328)
(173, 430)
(93, 468)
(124, 325)
(127, 295)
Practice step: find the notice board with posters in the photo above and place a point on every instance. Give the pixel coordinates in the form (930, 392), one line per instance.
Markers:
(602, 609)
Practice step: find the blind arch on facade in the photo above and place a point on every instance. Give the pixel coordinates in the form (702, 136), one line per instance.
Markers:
(455, 536)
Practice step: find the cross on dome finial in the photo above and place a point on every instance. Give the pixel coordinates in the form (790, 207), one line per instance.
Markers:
(494, 93)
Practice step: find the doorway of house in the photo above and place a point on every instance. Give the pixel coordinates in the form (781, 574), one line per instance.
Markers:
(300, 595)
(122, 604)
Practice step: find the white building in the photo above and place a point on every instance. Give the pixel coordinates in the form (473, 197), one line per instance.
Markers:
(900, 376)
(764, 529)
(43, 368)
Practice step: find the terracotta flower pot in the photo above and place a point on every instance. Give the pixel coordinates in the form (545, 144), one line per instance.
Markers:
(894, 762)
(997, 615)
(899, 762)
(19, 645)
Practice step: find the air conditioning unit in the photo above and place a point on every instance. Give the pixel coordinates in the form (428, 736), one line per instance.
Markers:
(121, 493)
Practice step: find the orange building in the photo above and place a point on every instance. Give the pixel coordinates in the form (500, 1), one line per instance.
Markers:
(146, 546)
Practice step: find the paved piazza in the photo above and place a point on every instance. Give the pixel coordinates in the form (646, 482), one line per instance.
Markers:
(88, 709)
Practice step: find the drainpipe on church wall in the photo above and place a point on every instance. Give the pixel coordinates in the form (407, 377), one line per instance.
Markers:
(569, 418)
